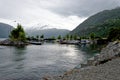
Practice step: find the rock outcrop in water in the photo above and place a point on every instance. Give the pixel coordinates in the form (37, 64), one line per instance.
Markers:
(8, 42)
(104, 66)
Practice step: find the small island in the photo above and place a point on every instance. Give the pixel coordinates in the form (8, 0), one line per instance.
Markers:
(17, 37)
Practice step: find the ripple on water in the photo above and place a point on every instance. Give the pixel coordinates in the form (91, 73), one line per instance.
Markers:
(34, 61)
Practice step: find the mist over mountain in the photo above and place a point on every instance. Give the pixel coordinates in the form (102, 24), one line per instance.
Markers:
(93, 23)
(47, 31)
(5, 30)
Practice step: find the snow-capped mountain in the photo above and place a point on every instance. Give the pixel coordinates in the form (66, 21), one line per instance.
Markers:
(46, 30)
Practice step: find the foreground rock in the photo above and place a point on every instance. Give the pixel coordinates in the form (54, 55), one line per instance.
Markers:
(105, 66)
(107, 71)
(8, 42)
(112, 50)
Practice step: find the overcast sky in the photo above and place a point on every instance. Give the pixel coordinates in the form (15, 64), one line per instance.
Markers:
(57, 13)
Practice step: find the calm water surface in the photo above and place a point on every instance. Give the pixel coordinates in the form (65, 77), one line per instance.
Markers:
(34, 61)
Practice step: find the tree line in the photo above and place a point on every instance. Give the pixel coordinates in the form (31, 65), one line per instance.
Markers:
(18, 34)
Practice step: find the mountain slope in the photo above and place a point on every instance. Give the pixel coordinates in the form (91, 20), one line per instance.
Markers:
(5, 30)
(47, 32)
(102, 30)
(84, 28)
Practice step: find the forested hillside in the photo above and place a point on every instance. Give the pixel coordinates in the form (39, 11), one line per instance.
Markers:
(99, 23)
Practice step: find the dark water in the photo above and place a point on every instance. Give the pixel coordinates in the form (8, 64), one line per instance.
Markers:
(34, 61)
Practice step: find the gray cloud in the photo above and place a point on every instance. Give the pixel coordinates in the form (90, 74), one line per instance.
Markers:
(62, 13)
(81, 8)
(64, 7)
(84, 8)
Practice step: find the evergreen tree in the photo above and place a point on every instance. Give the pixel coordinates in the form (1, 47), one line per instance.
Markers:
(67, 36)
(37, 37)
(71, 37)
(42, 36)
(59, 37)
(18, 34)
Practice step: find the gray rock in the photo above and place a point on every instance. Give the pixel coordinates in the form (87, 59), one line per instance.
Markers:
(8, 42)
(94, 69)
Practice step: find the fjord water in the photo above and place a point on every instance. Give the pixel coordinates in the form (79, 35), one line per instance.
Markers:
(35, 61)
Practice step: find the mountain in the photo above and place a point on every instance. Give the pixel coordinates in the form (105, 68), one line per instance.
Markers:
(93, 23)
(47, 31)
(5, 30)
(103, 29)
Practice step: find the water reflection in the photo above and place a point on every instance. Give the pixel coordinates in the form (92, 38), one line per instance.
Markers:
(91, 48)
(18, 53)
(34, 61)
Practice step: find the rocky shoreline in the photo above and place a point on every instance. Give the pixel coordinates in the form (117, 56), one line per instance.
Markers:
(8, 42)
(103, 66)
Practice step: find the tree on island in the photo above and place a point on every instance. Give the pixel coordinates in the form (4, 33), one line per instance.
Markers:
(67, 36)
(42, 36)
(59, 37)
(18, 34)
(37, 37)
